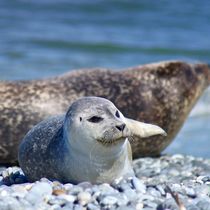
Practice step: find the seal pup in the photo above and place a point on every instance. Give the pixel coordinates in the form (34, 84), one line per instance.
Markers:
(159, 93)
(88, 144)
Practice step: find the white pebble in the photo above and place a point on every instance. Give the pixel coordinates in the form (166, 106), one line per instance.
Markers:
(69, 198)
(139, 206)
(84, 198)
(38, 192)
(109, 200)
(138, 185)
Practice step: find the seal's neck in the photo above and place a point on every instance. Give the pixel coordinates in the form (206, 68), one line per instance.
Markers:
(99, 163)
(96, 152)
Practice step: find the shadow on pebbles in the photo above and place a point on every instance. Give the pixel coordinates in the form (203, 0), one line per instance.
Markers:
(164, 183)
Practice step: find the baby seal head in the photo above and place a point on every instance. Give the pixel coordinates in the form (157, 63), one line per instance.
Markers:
(95, 120)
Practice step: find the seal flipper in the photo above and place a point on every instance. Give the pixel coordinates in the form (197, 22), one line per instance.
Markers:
(143, 130)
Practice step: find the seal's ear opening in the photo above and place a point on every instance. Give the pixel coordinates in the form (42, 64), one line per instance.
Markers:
(143, 130)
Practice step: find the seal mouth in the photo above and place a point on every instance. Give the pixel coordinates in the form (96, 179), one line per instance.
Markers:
(110, 142)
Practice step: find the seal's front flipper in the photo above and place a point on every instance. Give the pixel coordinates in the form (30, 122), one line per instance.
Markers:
(143, 130)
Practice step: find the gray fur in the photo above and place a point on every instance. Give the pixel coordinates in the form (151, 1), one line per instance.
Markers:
(159, 93)
(48, 150)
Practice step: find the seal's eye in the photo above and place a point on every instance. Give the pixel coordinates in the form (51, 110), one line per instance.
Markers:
(117, 114)
(80, 119)
(95, 119)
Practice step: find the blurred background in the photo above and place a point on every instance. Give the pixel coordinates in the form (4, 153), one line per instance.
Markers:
(41, 38)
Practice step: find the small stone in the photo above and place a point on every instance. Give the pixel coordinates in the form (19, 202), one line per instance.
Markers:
(68, 186)
(28, 186)
(168, 205)
(190, 192)
(10, 203)
(5, 190)
(147, 197)
(55, 207)
(206, 179)
(105, 189)
(57, 186)
(203, 205)
(78, 207)
(68, 206)
(130, 194)
(92, 206)
(57, 201)
(177, 157)
(24, 203)
(121, 185)
(2, 168)
(122, 199)
(84, 198)
(176, 188)
(38, 192)
(5, 173)
(58, 192)
(138, 185)
(139, 206)
(173, 172)
(202, 190)
(117, 181)
(148, 203)
(161, 190)
(96, 195)
(75, 190)
(69, 198)
(85, 185)
(192, 207)
(46, 180)
(18, 191)
(152, 191)
(186, 174)
(109, 201)
(124, 207)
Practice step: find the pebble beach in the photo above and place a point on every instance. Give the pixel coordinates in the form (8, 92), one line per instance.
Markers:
(163, 183)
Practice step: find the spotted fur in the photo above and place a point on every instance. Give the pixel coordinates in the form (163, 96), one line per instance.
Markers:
(160, 93)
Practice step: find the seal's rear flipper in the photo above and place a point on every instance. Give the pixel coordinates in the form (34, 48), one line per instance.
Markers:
(143, 130)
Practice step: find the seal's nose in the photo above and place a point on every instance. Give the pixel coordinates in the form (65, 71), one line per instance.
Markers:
(121, 127)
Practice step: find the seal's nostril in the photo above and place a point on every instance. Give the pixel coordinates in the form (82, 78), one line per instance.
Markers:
(121, 127)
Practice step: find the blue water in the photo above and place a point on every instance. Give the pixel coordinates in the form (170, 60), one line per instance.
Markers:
(40, 38)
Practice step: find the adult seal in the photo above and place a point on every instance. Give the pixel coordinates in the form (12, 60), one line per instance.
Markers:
(88, 144)
(160, 93)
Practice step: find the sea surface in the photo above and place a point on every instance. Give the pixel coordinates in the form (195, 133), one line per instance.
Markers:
(42, 38)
